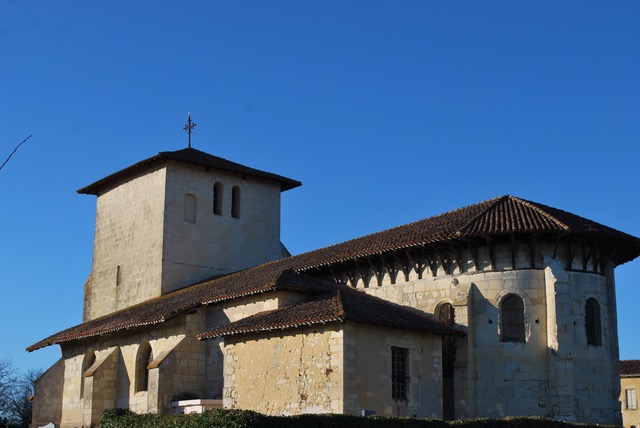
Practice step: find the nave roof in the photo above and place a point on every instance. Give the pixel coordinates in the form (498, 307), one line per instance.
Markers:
(499, 216)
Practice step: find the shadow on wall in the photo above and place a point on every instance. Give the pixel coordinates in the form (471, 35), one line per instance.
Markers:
(47, 398)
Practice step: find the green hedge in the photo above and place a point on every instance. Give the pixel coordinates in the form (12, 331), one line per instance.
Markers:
(118, 418)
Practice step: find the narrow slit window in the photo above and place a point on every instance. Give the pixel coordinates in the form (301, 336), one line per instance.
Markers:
(512, 319)
(235, 202)
(217, 198)
(399, 372)
(592, 322)
(189, 208)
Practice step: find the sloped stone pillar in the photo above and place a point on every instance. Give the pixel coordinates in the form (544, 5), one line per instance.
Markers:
(100, 387)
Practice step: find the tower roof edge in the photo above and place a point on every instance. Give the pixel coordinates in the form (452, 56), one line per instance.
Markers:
(191, 156)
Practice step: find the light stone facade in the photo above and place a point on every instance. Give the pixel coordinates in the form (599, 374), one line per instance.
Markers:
(145, 247)
(630, 385)
(331, 369)
(163, 227)
(182, 367)
(553, 373)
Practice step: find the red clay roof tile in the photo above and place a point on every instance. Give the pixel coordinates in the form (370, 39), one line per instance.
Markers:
(629, 368)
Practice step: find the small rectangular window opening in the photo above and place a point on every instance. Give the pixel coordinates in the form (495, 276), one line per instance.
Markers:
(399, 372)
(632, 401)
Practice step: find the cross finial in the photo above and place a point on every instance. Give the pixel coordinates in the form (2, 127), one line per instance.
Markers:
(188, 127)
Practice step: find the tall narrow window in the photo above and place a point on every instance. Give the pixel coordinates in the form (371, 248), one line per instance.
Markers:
(399, 372)
(235, 202)
(592, 322)
(632, 400)
(447, 316)
(145, 357)
(512, 319)
(189, 208)
(217, 198)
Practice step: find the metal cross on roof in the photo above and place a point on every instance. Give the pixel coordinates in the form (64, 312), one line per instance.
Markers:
(188, 127)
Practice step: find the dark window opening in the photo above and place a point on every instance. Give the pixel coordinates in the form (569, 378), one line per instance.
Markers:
(235, 202)
(447, 316)
(512, 319)
(217, 198)
(592, 322)
(399, 372)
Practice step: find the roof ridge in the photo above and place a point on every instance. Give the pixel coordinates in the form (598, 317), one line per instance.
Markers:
(372, 234)
(490, 204)
(541, 211)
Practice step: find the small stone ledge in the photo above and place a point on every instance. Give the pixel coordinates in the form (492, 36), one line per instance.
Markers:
(195, 406)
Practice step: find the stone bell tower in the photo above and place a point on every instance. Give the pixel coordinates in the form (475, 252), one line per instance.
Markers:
(175, 219)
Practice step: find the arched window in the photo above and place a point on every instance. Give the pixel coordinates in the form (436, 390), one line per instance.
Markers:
(87, 362)
(217, 198)
(592, 322)
(145, 357)
(512, 319)
(447, 314)
(189, 208)
(235, 202)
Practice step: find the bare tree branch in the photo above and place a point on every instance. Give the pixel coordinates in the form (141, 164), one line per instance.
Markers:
(14, 150)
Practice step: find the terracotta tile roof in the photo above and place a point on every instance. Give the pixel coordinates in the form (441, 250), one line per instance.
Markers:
(629, 368)
(341, 304)
(500, 216)
(257, 280)
(320, 311)
(191, 156)
(506, 214)
(163, 308)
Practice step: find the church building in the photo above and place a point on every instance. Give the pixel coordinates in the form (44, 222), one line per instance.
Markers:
(502, 308)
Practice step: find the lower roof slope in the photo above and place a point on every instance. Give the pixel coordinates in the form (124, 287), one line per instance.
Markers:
(337, 305)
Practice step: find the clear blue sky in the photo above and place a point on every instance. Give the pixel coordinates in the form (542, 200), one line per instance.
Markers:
(388, 112)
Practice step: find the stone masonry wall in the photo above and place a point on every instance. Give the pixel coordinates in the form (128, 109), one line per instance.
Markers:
(147, 243)
(47, 398)
(630, 413)
(367, 368)
(230, 312)
(217, 244)
(178, 368)
(495, 378)
(182, 366)
(127, 253)
(100, 386)
(292, 373)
